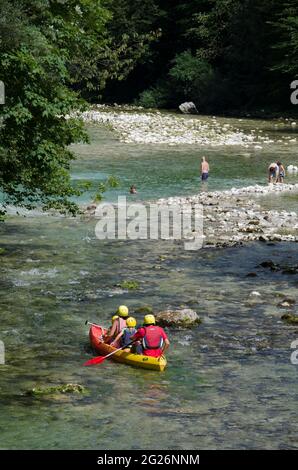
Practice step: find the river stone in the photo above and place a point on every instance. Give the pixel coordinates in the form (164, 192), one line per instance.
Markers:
(188, 108)
(287, 303)
(184, 318)
(269, 264)
(290, 318)
(255, 293)
(290, 270)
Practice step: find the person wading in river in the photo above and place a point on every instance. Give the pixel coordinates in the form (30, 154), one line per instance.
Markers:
(154, 339)
(118, 324)
(273, 173)
(281, 172)
(204, 169)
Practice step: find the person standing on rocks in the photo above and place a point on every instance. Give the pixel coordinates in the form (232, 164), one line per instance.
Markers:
(204, 169)
(273, 172)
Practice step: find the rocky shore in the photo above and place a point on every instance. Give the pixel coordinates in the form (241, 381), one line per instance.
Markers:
(135, 125)
(235, 216)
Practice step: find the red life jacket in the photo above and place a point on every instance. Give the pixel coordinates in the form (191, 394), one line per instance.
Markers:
(153, 337)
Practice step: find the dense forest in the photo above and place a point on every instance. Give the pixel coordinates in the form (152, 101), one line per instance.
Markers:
(228, 56)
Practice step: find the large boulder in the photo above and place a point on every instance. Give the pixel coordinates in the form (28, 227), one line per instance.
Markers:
(188, 108)
(184, 318)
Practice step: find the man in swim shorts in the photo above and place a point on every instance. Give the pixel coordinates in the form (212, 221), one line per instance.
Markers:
(204, 169)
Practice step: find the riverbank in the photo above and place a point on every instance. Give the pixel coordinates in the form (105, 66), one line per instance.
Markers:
(235, 216)
(136, 125)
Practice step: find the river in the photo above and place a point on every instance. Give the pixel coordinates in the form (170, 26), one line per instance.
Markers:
(229, 383)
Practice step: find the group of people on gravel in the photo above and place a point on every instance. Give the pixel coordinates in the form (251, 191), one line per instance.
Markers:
(149, 339)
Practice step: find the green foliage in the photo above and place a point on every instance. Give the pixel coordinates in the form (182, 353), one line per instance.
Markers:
(248, 52)
(111, 182)
(155, 97)
(286, 25)
(191, 75)
(46, 48)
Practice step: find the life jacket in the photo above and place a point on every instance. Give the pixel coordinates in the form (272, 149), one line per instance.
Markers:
(127, 335)
(153, 338)
(121, 323)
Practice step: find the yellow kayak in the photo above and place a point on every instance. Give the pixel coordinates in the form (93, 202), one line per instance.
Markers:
(137, 360)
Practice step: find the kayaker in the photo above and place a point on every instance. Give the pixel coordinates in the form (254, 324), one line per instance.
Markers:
(114, 317)
(153, 338)
(127, 333)
(117, 326)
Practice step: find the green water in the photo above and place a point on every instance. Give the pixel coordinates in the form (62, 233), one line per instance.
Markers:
(161, 171)
(229, 382)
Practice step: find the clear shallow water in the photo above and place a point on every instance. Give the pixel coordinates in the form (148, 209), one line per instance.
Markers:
(161, 171)
(229, 382)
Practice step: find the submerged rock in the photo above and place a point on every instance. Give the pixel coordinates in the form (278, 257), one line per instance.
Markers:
(286, 303)
(290, 318)
(269, 264)
(64, 389)
(290, 270)
(145, 309)
(184, 318)
(130, 285)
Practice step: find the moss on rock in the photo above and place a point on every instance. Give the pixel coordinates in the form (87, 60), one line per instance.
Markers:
(290, 318)
(65, 388)
(129, 285)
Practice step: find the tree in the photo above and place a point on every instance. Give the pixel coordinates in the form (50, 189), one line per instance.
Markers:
(45, 46)
(286, 25)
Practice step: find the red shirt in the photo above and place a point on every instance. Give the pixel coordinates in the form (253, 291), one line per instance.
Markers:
(150, 352)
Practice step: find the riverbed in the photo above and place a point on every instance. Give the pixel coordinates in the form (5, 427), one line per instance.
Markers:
(229, 382)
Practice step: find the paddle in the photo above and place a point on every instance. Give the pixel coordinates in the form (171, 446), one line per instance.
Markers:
(89, 323)
(100, 359)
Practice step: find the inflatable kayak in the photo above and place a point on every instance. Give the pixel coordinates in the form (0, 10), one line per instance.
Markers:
(137, 360)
